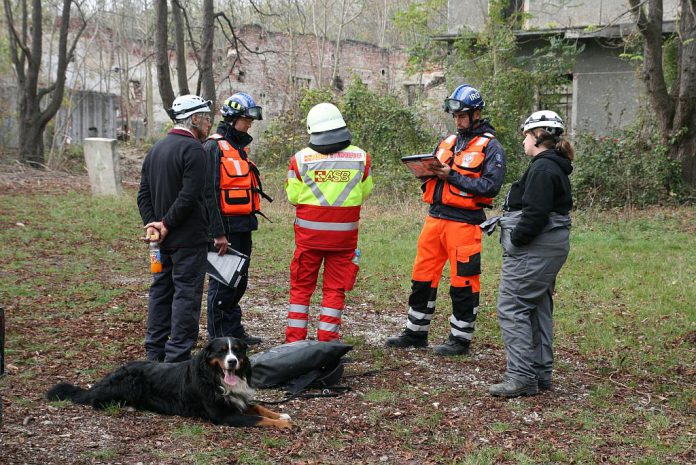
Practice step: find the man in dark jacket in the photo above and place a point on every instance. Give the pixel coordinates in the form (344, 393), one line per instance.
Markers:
(172, 207)
(233, 195)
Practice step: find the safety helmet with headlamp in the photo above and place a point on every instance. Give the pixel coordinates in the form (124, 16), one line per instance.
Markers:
(187, 105)
(241, 105)
(545, 119)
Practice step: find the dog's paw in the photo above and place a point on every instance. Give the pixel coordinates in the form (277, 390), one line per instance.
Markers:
(284, 416)
(285, 424)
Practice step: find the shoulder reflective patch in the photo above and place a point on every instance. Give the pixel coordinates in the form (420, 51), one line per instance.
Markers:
(225, 145)
(312, 157)
(451, 139)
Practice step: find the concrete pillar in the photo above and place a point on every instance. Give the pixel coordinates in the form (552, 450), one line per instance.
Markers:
(103, 167)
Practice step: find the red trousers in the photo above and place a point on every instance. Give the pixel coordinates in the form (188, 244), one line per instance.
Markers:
(339, 276)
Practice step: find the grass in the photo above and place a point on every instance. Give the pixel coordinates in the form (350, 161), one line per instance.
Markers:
(625, 323)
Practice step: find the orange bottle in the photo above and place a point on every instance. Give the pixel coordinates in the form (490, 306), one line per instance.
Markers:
(155, 257)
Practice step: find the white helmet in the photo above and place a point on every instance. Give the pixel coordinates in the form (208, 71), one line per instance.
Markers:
(324, 117)
(547, 119)
(187, 105)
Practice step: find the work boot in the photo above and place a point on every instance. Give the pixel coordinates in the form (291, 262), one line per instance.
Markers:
(513, 388)
(249, 339)
(544, 384)
(453, 346)
(407, 339)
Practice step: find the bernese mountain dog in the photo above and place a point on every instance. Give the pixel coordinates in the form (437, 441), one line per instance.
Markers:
(213, 386)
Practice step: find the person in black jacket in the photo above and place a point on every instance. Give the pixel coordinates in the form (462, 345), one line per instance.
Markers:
(535, 231)
(172, 207)
(233, 194)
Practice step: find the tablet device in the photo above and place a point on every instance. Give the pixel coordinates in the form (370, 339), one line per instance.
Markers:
(420, 164)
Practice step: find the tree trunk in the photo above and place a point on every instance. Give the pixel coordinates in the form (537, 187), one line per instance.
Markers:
(31, 142)
(26, 55)
(181, 73)
(675, 111)
(684, 93)
(206, 59)
(162, 55)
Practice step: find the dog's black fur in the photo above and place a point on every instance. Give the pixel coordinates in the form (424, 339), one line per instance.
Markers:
(196, 388)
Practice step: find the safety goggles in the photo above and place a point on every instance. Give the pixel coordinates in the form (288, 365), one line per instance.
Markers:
(253, 113)
(452, 105)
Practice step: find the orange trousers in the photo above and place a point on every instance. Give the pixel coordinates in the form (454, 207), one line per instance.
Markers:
(460, 244)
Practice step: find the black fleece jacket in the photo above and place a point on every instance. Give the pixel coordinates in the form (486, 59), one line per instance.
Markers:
(543, 189)
(171, 189)
(222, 224)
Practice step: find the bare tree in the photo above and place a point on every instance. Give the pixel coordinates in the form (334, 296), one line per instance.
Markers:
(205, 69)
(181, 72)
(675, 108)
(164, 80)
(25, 41)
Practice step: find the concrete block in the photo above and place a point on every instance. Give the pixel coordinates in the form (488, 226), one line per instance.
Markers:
(103, 166)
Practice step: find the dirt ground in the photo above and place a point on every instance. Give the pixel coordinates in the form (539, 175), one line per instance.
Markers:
(405, 407)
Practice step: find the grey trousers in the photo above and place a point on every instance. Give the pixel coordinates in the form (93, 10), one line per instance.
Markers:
(525, 297)
(174, 307)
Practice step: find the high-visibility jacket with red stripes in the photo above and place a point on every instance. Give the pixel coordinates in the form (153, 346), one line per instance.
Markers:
(467, 162)
(327, 191)
(240, 182)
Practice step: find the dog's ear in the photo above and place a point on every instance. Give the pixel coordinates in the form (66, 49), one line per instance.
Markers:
(207, 351)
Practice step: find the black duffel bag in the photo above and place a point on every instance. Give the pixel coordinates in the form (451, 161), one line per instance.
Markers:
(300, 365)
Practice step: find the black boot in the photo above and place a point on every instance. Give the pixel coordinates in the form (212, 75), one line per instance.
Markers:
(408, 339)
(453, 346)
(249, 339)
(513, 388)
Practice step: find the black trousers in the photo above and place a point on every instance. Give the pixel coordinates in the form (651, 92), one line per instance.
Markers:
(224, 312)
(174, 308)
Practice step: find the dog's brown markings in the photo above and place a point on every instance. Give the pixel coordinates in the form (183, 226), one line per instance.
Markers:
(269, 418)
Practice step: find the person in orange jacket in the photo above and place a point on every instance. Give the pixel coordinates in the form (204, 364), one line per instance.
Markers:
(468, 173)
(233, 197)
(327, 183)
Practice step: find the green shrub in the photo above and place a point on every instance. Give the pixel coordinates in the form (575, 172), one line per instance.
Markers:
(624, 170)
(379, 123)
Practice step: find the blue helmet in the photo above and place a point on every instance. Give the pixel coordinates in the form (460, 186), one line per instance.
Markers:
(241, 105)
(464, 98)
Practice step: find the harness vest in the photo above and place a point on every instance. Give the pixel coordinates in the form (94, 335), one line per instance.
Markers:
(327, 191)
(468, 162)
(240, 181)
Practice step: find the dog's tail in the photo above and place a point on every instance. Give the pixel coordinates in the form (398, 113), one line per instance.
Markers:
(66, 391)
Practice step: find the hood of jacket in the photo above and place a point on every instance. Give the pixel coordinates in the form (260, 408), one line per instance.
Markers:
(565, 164)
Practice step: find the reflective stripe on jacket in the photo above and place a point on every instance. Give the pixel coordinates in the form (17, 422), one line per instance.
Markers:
(468, 162)
(327, 191)
(240, 183)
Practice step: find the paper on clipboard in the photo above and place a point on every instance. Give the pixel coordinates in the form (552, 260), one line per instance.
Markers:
(227, 268)
(420, 165)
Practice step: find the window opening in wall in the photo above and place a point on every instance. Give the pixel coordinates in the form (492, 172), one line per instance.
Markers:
(300, 82)
(559, 100)
(413, 93)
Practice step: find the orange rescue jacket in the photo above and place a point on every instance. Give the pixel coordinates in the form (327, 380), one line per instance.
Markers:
(468, 162)
(240, 183)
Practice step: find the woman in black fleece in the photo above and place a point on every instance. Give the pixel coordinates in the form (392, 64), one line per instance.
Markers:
(535, 230)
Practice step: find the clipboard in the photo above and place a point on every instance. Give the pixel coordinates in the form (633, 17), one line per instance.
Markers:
(227, 268)
(420, 164)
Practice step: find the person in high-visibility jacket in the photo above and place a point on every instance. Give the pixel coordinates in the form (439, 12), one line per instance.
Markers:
(468, 173)
(233, 197)
(327, 182)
